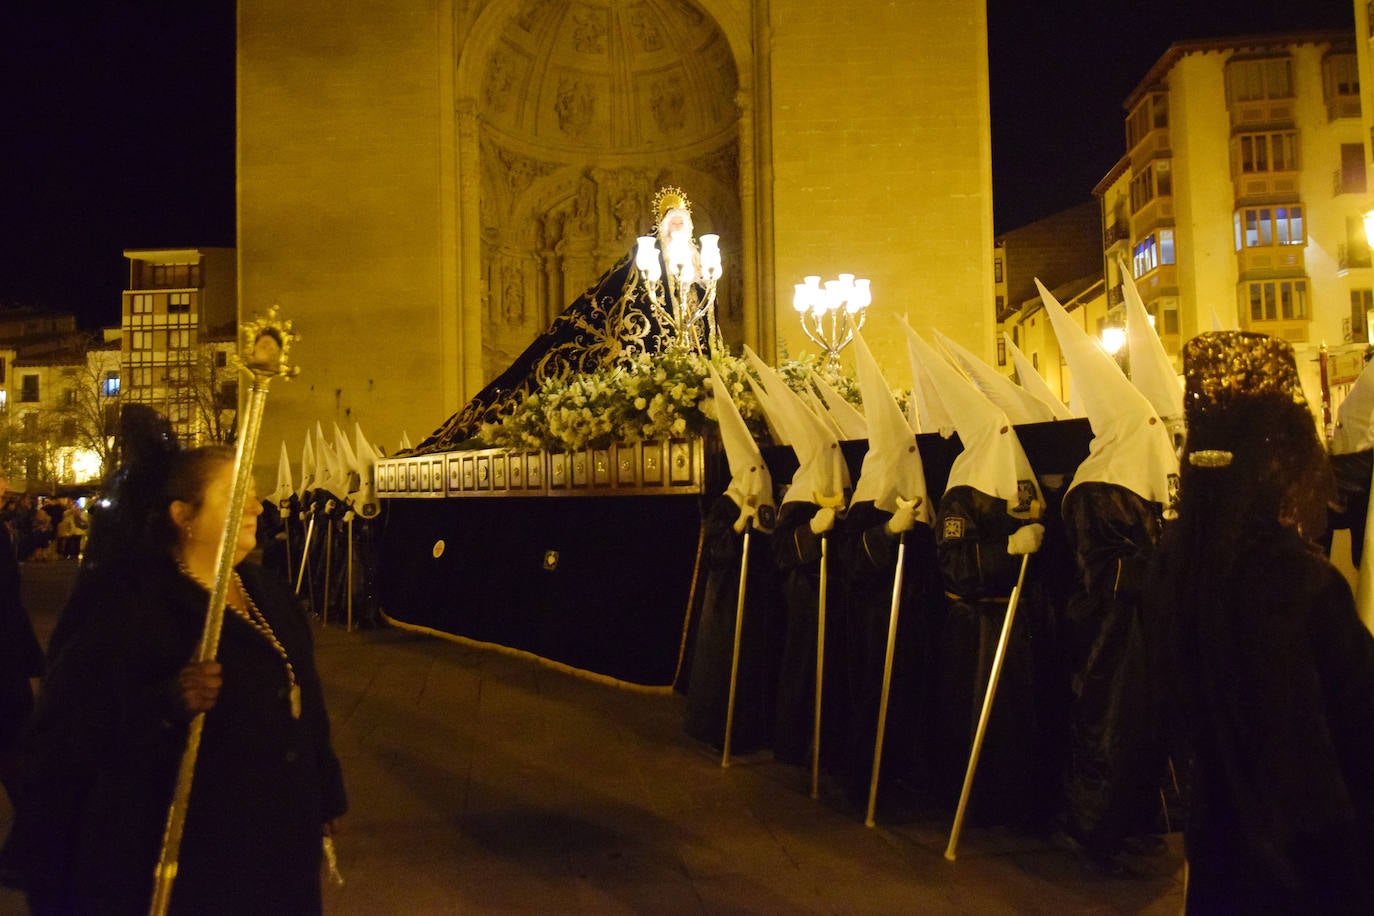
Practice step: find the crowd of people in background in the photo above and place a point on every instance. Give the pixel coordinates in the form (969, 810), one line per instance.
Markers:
(45, 528)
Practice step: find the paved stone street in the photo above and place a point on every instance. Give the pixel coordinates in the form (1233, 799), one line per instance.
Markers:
(486, 783)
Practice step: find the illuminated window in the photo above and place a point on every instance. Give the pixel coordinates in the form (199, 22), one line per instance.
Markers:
(1154, 180)
(1263, 227)
(142, 304)
(178, 303)
(1275, 300)
(1155, 249)
(178, 339)
(110, 385)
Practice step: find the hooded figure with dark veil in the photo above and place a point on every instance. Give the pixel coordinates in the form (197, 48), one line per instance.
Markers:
(1263, 663)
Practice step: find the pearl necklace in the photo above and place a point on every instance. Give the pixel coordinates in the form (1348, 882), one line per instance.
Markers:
(255, 619)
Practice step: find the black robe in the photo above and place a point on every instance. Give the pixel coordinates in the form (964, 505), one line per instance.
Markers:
(1017, 770)
(107, 735)
(1280, 717)
(1115, 760)
(21, 658)
(865, 555)
(708, 686)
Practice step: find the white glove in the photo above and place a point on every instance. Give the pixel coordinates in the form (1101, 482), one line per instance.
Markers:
(904, 516)
(823, 520)
(742, 522)
(1026, 539)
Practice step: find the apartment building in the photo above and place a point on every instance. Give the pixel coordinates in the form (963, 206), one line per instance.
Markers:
(1239, 202)
(179, 322)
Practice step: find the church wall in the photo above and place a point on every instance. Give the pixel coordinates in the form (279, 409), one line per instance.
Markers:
(342, 208)
(882, 164)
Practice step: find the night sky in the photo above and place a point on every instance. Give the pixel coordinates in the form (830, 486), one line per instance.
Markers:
(118, 122)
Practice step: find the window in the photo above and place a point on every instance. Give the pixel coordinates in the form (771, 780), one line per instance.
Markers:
(222, 358)
(2, 370)
(109, 386)
(1352, 175)
(1254, 80)
(1341, 77)
(68, 432)
(30, 423)
(1266, 152)
(4, 401)
(141, 340)
(178, 375)
(1168, 315)
(69, 397)
(1001, 351)
(1277, 300)
(142, 377)
(1151, 114)
(29, 391)
(1155, 180)
(178, 339)
(1361, 304)
(997, 270)
(1263, 227)
(1155, 249)
(178, 303)
(142, 304)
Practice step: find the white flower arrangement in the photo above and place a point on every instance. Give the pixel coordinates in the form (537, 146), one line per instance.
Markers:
(643, 397)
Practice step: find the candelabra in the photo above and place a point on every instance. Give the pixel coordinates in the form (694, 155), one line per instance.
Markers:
(830, 314)
(687, 300)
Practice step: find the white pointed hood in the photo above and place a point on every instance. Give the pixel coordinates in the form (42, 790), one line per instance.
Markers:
(327, 475)
(1018, 404)
(350, 479)
(405, 441)
(1131, 446)
(751, 484)
(892, 467)
(771, 413)
(1355, 417)
(307, 467)
(813, 400)
(365, 462)
(281, 494)
(849, 421)
(930, 413)
(821, 475)
(1151, 369)
(1035, 383)
(992, 460)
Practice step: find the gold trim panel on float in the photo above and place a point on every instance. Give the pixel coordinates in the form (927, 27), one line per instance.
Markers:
(676, 466)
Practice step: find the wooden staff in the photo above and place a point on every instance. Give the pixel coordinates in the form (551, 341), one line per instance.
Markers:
(820, 672)
(997, 660)
(270, 342)
(887, 680)
(734, 657)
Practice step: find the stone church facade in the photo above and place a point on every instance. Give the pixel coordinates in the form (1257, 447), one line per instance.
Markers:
(425, 184)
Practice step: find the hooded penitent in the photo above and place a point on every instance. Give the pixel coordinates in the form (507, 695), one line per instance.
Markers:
(1017, 403)
(992, 461)
(892, 467)
(821, 475)
(850, 422)
(366, 457)
(775, 431)
(751, 484)
(1032, 381)
(307, 468)
(1131, 447)
(928, 412)
(285, 489)
(1152, 372)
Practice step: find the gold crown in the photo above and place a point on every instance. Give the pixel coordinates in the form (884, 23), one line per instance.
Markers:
(669, 198)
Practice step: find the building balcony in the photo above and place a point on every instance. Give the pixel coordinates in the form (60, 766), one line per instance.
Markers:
(1263, 112)
(1261, 262)
(1153, 143)
(1116, 296)
(1343, 182)
(1342, 106)
(1119, 231)
(1351, 257)
(1267, 186)
(1163, 279)
(1293, 330)
(1156, 212)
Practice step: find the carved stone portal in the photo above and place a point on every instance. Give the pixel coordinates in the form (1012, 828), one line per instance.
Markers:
(586, 108)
